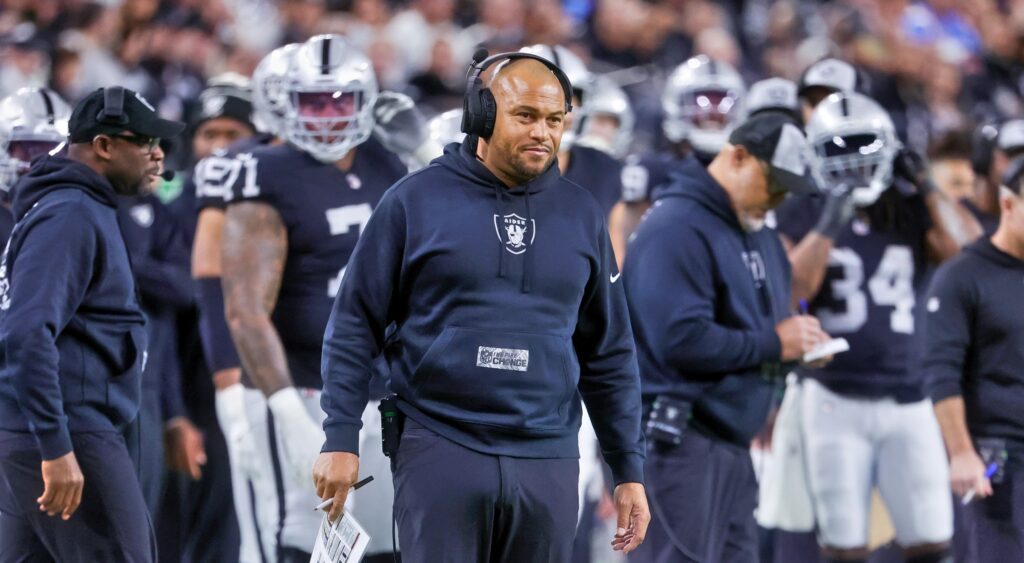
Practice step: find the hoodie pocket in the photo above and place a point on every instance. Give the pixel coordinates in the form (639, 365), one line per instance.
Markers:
(514, 380)
(124, 389)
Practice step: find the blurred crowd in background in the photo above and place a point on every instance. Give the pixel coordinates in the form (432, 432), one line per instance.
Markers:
(942, 68)
(939, 66)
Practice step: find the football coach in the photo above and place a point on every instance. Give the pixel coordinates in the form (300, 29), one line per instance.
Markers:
(973, 342)
(73, 344)
(500, 279)
(708, 289)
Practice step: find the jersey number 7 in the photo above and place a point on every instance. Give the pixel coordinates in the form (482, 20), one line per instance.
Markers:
(341, 221)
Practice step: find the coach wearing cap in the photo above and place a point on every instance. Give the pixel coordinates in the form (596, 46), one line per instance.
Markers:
(708, 290)
(73, 344)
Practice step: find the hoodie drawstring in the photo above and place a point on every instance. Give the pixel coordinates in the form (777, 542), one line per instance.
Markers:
(499, 206)
(528, 255)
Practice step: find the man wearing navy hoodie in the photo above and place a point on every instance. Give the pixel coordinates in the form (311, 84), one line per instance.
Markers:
(973, 338)
(73, 344)
(500, 278)
(708, 290)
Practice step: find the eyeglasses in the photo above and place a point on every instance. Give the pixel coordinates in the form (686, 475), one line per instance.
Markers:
(147, 143)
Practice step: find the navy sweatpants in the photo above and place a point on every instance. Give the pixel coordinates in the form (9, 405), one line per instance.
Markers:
(702, 495)
(995, 525)
(460, 506)
(111, 524)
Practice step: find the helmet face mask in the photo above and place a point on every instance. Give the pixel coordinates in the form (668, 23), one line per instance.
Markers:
(33, 122)
(709, 109)
(27, 151)
(703, 102)
(854, 142)
(325, 116)
(331, 93)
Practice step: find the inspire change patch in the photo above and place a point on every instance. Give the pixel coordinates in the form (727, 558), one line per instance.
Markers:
(503, 358)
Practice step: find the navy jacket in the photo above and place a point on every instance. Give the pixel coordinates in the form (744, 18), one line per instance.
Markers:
(508, 309)
(973, 333)
(72, 335)
(160, 262)
(704, 298)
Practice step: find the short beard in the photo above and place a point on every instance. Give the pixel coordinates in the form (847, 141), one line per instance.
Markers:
(750, 224)
(131, 189)
(523, 171)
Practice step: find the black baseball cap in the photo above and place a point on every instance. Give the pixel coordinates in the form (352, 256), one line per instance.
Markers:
(112, 110)
(226, 96)
(776, 139)
(1013, 175)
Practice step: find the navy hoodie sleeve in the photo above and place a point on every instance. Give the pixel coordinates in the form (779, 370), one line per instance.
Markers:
(355, 331)
(49, 277)
(691, 342)
(946, 332)
(609, 376)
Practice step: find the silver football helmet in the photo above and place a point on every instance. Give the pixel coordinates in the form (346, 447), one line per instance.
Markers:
(831, 74)
(446, 128)
(853, 141)
(578, 76)
(776, 94)
(270, 89)
(331, 92)
(33, 122)
(702, 102)
(606, 99)
(570, 64)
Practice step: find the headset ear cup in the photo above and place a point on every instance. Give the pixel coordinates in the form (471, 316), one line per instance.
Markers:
(467, 115)
(488, 113)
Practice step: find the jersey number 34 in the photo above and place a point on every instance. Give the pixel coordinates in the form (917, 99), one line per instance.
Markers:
(892, 285)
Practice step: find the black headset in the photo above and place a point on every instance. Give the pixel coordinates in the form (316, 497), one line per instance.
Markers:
(112, 112)
(479, 110)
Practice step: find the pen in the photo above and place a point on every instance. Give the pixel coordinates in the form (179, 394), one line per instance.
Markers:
(355, 487)
(989, 472)
(803, 306)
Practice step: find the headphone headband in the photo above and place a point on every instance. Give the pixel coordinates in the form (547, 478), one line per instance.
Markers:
(479, 109)
(113, 107)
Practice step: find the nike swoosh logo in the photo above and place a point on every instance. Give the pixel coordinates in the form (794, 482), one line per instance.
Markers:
(615, 277)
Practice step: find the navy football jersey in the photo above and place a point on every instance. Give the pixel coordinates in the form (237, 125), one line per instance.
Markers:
(644, 176)
(214, 175)
(6, 224)
(875, 271)
(598, 173)
(324, 210)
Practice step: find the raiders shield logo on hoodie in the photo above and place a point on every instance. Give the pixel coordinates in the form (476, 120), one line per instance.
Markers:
(516, 232)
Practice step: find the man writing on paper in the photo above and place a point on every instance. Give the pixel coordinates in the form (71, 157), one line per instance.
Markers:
(708, 290)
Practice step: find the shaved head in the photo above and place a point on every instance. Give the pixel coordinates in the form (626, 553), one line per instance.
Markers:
(529, 121)
(519, 74)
